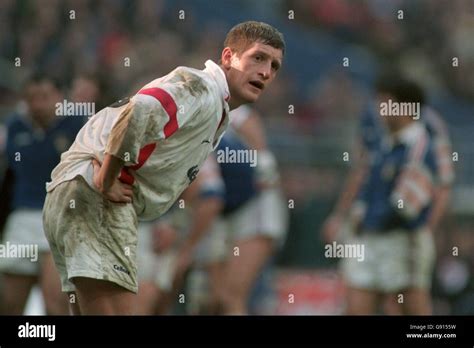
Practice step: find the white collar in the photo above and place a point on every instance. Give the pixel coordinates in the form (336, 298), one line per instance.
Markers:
(218, 75)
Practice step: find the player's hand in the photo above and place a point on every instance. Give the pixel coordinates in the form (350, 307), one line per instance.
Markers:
(331, 228)
(118, 192)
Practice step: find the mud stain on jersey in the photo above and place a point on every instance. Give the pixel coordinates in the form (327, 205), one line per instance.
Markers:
(194, 84)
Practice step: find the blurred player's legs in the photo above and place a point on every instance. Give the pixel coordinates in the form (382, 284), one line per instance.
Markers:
(156, 262)
(242, 271)
(206, 283)
(257, 228)
(16, 290)
(24, 230)
(397, 266)
(361, 301)
(148, 292)
(55, 300)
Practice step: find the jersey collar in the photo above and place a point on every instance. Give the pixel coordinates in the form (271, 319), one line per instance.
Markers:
(216, 72)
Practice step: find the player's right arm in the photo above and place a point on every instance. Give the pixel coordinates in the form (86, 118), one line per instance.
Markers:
(107, 182)
(148, 117)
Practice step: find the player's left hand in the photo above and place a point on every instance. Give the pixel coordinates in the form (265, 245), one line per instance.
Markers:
(118, 192)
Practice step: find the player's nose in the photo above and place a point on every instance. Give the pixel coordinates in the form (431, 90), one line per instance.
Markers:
(265, 71)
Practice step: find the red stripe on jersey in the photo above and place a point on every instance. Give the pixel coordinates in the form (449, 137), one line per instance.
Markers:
(168, 104)
(144, 154)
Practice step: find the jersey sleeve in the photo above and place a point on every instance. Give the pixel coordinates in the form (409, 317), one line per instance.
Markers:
(444, 161)
(153, 114)
(414, 189)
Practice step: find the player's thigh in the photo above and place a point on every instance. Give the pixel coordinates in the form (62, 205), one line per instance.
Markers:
(99, 297)
(392, 304)
(244, 266)
(16, 289)
(147, 298)
(216, 271)
(361, 301)
(55, 299)
(417, 302)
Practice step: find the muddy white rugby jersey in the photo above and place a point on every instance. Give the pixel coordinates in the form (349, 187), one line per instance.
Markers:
(164, 133)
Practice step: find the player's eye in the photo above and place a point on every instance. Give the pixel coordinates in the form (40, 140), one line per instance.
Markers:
(258, 58)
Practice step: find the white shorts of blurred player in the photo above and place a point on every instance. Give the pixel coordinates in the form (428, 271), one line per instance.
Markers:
(393, 261)
(157, 269)
(264, 215)
(24, 230)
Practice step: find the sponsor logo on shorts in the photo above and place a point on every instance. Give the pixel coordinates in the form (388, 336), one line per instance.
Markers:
(342, 251)
(121, 269)
(192, 173)
(37, 331)
(21, 251)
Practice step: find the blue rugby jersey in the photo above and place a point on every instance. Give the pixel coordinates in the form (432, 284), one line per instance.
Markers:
(371, 131)
(403, 173)
(237, 180)
(32, 154)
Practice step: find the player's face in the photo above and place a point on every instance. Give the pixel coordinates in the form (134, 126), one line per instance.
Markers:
(41, 99)
(84, 90)
(252, 71)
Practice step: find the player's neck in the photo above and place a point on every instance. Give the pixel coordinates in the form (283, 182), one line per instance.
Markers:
(233, 104)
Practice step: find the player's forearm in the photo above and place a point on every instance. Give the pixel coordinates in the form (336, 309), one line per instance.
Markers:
(204, 215)
(350, 190)
(439, 208)
(109, 172)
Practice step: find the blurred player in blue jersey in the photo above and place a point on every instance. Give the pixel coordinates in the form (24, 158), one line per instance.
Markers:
(231, 206)
(258, 228)
(36, 137)
(374, 139)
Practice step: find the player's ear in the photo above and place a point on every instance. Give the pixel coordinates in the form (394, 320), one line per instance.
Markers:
(226, 57)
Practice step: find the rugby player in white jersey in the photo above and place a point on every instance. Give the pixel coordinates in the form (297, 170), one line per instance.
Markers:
(133, 159)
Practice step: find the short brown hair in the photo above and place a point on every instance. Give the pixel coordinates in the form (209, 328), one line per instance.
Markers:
(244, 34)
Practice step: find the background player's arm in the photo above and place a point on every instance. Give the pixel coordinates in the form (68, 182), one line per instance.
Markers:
(252, 131)
(445, 174)
(441, 199)
(205, 211)
(351, 187)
